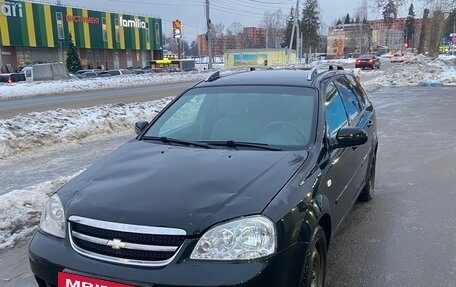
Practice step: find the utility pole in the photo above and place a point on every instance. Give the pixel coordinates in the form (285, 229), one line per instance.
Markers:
(209, 37)
(295, 26)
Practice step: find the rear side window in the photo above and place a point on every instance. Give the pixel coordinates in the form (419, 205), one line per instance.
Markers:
(336, 117)
(356, 88)
(349, 97)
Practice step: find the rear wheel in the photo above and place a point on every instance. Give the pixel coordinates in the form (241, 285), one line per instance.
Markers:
(368, 191)
(314, 268)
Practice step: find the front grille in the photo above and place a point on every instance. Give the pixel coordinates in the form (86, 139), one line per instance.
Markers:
(124, 243)
(142, 255)
(140, 238)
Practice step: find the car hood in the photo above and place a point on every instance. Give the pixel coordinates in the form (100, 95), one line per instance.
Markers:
(152, 184)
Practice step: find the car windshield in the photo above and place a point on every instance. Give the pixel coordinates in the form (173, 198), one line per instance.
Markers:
(366, 57)
(282, 116)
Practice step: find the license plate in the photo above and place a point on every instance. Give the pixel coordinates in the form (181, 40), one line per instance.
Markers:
(73, 280)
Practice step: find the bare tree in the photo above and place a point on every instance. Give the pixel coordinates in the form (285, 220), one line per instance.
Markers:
(273, 24)
(445, 5)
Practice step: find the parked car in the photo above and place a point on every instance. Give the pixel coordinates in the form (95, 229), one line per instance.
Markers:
(12, 77)
(409, 57)
(85, 75)
(397, 58)
(242, 180)
(367, 61)
(103, 74)
(119, 72)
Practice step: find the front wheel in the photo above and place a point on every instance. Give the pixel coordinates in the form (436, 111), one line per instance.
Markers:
(314, 268)
(368, 191)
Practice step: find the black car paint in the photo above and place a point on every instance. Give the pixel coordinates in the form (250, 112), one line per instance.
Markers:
(216, 188)
(294, 193)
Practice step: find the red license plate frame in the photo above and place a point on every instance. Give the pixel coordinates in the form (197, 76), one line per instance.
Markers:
(65, 279)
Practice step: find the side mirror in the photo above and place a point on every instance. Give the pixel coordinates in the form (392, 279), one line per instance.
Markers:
(350, 136)
(139, 126)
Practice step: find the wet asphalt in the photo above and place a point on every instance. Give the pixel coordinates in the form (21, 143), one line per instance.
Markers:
(405, 236)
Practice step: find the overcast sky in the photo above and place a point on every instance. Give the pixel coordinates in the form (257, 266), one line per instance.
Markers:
(191, 13)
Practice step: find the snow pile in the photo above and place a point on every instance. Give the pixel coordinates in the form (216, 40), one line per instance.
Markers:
(415, 73)
(20, 211)
(28, 89)
(43, 130)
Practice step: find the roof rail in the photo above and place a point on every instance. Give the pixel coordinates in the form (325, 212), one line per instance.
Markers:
(217, 74)
(314, 71)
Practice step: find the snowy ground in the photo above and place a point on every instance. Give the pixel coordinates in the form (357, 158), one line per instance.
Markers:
(20, 210)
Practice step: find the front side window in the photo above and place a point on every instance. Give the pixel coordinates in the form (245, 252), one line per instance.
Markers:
(336, 117)
(277, 116)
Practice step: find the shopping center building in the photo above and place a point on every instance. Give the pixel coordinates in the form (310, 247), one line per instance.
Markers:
(38, 33)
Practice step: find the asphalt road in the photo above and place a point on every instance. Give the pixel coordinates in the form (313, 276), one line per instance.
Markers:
(406, 235)
(12, 107)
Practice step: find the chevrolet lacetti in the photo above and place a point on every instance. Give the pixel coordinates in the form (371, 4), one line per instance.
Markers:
(241, 180)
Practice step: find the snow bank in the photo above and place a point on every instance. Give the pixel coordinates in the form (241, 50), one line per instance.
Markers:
(28, 89)
(43, 130)
(20, 210)
(415, 73)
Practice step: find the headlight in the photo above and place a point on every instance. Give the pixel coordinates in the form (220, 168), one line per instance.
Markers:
(53, 217)
(240, 239)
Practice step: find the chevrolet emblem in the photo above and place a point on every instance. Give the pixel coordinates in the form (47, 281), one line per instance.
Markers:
(116, 244)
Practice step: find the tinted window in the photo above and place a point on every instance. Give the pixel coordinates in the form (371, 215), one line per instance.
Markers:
(279, 116)
(349, 98)
(335, 110)
(356, 87)
(185, 115)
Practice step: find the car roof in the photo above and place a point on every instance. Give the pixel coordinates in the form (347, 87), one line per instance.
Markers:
(270, 77)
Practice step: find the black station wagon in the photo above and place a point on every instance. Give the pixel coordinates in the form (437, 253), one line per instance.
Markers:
(241, 180)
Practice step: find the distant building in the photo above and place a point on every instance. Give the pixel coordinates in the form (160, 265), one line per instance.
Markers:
(349, 40)
(258, 57)
(38, 33)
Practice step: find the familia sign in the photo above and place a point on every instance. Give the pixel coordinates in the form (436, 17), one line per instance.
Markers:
(11, 9)
(137, 23)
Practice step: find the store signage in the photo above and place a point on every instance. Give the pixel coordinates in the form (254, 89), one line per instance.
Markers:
(83, 19)
(11, 9)
(137, 23)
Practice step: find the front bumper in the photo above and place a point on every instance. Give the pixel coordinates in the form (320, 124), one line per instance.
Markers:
(49, 255)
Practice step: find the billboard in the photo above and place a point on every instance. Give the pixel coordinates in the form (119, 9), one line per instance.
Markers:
(29, 24)
(336, 44)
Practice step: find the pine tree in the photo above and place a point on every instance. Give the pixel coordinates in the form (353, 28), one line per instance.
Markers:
(410, 27)
(288, 30)
(73, 61)
(310, 25)
(347, 19)
(389, 16)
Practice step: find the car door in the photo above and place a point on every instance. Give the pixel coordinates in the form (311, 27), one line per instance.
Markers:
(357, 117)
(337, 172)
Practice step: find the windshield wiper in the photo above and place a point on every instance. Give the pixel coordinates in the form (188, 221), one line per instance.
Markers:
(177, 141)
(231, 143)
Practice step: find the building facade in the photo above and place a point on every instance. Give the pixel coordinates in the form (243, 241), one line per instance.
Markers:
(351, 40)
(37, 33)
(258, 57)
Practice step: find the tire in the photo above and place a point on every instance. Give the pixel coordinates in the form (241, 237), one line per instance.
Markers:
(369, 189)
(314, 267)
